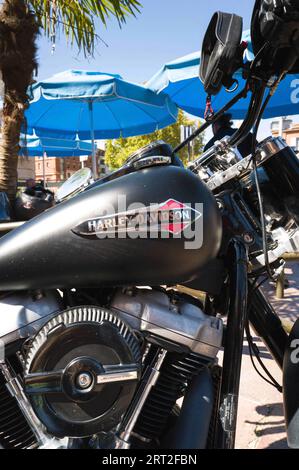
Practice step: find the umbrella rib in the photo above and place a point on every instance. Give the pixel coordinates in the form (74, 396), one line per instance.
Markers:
(41, 116)
(147, 113)
(116, 119)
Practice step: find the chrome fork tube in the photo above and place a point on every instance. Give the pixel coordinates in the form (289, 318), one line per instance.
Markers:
(15, 389)
(149, 379)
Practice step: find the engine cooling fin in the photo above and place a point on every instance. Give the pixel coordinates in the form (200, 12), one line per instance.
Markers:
(81, 371)
(177, 371)
(15, 432)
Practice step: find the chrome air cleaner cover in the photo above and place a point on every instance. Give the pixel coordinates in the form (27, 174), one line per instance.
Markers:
(81, 371)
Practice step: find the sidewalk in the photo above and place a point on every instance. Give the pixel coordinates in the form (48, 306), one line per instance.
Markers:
(260, 418)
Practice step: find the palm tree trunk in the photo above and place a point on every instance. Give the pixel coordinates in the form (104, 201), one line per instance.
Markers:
(18, 32)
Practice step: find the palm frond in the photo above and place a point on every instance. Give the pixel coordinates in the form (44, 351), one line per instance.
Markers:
(77, 18)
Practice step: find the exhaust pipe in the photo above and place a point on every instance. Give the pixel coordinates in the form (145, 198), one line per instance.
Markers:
(192, 426)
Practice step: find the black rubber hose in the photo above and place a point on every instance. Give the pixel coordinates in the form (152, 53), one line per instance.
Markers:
(192, 427)
(254, 109)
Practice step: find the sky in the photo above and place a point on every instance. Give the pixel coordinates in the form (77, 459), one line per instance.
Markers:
(163, 31)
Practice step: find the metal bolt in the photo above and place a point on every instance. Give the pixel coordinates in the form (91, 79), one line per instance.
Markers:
(248, 238)
(84, 380)
(220, 204)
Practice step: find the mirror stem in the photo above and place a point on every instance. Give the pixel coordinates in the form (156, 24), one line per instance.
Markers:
(206, 124)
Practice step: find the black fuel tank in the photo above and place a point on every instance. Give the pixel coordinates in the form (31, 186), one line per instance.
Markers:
(69, 246)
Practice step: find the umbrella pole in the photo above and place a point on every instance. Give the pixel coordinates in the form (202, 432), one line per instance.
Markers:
(44, 168)
(93, 156)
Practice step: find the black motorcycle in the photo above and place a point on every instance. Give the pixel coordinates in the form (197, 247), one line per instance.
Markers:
(115, 303)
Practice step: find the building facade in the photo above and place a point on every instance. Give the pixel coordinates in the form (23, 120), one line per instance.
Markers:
(26, 168)
(49, 169)
(54, 170)
(287, 130)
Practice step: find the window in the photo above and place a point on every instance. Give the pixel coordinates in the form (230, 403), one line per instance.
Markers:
(275, 126)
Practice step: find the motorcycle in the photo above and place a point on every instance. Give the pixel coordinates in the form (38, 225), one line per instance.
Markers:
(116, 302)
(27, 205)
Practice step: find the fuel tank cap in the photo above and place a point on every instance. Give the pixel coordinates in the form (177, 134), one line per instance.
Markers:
(155, 153)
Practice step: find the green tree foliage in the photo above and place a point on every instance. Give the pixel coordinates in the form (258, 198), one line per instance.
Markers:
(117, 151)
(77, 18)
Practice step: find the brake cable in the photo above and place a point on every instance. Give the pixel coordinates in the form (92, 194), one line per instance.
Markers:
(256, 177)
(253, 349)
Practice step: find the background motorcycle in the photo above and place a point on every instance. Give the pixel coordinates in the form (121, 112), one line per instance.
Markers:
(92, 360)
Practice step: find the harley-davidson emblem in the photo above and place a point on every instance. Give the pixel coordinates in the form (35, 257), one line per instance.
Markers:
(171, 216)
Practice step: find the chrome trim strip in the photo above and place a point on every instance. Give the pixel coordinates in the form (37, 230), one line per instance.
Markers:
(153, 160)
(118, 373)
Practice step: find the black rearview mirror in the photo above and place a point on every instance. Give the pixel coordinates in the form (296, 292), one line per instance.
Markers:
(222, 53)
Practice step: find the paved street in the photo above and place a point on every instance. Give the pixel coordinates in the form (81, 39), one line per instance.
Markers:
(260, 421)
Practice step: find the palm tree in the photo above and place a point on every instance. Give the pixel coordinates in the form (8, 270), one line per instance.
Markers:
(20, 23)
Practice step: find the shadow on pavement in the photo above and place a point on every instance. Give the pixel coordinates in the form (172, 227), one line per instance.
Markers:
(264, 353)
(265, 428)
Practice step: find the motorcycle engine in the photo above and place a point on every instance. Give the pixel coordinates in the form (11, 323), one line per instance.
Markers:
(77, 376)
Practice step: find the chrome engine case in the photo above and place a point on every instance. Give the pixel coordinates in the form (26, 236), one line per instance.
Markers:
(183, 323)
(22, 314)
